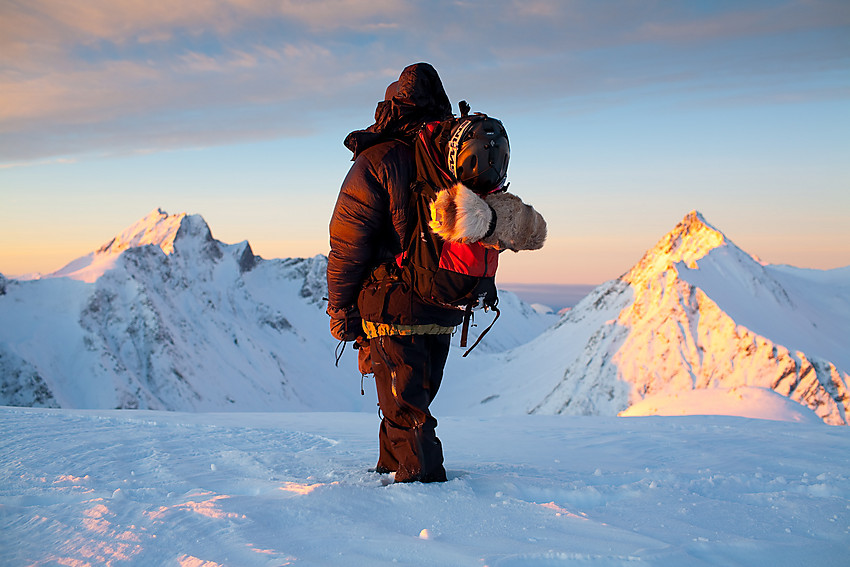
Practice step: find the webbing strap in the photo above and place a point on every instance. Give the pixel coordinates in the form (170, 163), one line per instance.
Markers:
(340, 348)
(484, 332)
(464, 333)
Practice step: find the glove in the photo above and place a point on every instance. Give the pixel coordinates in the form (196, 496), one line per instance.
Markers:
(346, 324)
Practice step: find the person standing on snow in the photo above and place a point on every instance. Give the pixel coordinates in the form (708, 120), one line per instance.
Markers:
(403, 340)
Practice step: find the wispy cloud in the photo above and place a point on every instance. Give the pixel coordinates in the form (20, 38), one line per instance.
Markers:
(83, 76)
(57, 161)
(747, 20)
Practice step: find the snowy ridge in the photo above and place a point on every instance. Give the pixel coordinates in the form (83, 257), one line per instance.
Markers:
(164, 316)
(695, 313)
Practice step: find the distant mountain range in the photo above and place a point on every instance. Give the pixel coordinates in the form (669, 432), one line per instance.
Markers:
(164, 316)
(550, 297)
(696, 313)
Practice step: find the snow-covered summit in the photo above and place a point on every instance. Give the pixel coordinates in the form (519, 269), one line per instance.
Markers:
(696, 312)
(157, 229)
(689, 241)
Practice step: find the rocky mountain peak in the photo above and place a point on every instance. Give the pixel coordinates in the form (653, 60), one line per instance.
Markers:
(170, 233)
(157, 228)
(689, 241)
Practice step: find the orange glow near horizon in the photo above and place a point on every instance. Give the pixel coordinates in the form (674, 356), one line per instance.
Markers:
(578, 259)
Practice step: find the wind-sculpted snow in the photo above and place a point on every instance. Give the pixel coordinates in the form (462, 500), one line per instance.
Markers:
(695, 313)
(119, 488)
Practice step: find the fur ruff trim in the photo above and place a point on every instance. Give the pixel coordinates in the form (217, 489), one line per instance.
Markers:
(518, 226)
(460, 215)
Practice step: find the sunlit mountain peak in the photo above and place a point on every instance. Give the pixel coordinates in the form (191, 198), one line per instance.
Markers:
(158, 228)
(697, 313)
(689, 241)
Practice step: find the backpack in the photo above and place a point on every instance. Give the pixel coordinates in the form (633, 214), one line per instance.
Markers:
(445, 274)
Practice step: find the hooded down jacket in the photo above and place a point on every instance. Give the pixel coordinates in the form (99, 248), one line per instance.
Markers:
(369, 221)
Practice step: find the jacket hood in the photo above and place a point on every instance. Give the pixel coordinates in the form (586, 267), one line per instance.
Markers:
(419, 97)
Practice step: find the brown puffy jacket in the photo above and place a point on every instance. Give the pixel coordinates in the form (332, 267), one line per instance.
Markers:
(369, 221)
(367, 229)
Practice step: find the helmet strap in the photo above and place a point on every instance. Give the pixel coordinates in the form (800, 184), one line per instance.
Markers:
(455, 143)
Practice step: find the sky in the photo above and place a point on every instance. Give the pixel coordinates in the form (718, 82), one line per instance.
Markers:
(623, 116)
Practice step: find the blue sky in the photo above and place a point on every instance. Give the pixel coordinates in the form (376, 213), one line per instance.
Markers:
(623, 116)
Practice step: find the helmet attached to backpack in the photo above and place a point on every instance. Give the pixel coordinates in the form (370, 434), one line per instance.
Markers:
(478, 152)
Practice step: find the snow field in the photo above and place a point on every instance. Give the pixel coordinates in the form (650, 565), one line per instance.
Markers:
(100, 487)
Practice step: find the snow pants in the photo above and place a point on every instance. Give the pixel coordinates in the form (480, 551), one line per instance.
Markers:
(408, 372)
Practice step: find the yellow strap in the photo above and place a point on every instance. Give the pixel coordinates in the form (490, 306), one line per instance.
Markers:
(373, 330)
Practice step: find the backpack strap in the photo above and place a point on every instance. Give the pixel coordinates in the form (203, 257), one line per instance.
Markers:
(428, 162)
(464, 333)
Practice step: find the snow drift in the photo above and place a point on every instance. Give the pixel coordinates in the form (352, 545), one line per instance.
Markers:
(106, 487)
